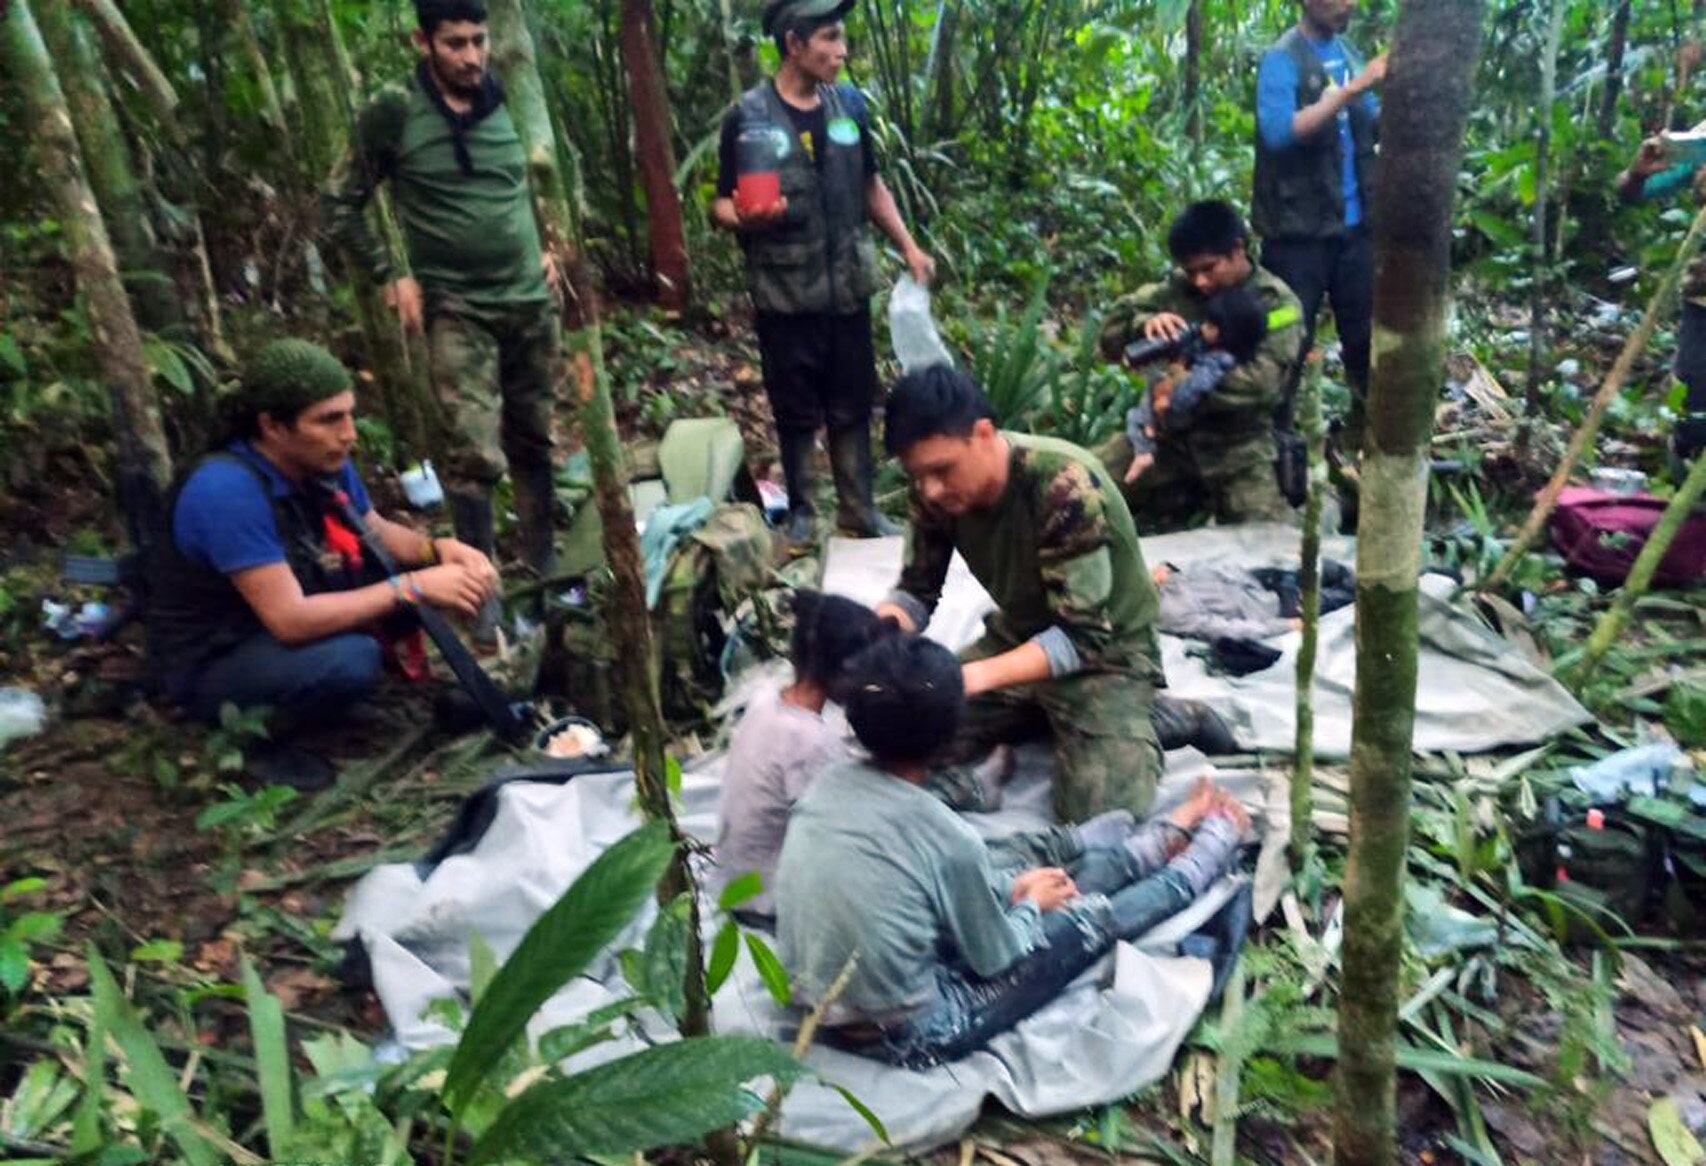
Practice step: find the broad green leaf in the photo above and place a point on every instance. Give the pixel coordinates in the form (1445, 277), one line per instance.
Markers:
(663, 1096)
(12, 356)
(14, 965)
(742, 890)
(38, 1100)
(165, 363)
(164, 951)
(666, 959)
(557, 948)
(770, 970)
(34, 927)
(20, 888)
(725, 950)
(272, 1061)
(482, 966)
(151, 1078)
(672, 776)
(1671, 1138)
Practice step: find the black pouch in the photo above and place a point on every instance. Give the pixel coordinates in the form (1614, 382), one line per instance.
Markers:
(1291, 465)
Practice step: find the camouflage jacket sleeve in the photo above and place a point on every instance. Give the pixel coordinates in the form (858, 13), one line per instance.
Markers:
(929, 550)
(1127, 317)
(1259, 384)
(1075, 560)
(369, 160)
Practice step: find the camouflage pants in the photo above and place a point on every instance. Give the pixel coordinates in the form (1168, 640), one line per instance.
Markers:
(1106, 754)
(495, 374)
(1178, 491)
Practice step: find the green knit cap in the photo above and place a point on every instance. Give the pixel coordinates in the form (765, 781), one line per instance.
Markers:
(287, 376)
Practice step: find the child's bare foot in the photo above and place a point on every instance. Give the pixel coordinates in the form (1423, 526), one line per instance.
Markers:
(1228, 807)
(1204, 796)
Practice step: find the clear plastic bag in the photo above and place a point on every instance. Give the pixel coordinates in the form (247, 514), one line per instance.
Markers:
(913, 333)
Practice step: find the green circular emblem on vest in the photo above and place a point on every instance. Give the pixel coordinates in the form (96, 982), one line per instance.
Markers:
(782, 141)
(844, 131)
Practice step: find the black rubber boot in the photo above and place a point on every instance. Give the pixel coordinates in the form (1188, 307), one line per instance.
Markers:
(471, 517)
(535, 511)
(855, 472)
(796, 450)
(1191, 722)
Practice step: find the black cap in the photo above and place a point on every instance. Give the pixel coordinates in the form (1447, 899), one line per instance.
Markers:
(782, 14)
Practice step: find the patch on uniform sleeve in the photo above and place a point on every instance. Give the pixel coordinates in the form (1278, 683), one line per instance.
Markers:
(1074, 512)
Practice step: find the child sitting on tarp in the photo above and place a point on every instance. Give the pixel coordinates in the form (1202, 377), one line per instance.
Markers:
(950, 950)
(784, 740)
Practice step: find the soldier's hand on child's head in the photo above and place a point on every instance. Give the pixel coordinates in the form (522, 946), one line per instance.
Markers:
(1139, 464)
(1164, 325)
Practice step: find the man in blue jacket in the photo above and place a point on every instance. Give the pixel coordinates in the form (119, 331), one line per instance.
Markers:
(1316, 126)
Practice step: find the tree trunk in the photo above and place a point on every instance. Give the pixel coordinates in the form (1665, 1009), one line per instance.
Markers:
(133, 58)
(1613, 384)
(324, 105)
(942, 115)
(1193, 71)
(629, 616)
(1314, 431)
(106, 157)
(235, 16)
(650, 101)
(1610, 627)
(1538, 279)
(117, 341)
(1615, 46)
(1426, 102)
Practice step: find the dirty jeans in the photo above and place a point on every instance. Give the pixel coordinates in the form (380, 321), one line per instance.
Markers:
(969, 1011)
(307, 682)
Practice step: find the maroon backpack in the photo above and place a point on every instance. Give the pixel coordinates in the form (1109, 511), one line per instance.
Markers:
(1600, 533)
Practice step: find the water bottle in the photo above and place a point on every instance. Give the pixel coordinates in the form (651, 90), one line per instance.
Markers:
(758, 177)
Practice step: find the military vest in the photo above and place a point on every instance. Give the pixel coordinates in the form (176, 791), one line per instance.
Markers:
(195, 613)
(1299, 191)
(819, 257)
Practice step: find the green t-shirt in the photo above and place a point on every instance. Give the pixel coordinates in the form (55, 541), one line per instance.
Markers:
(1057, 550)
(470, 236)
(875, 865)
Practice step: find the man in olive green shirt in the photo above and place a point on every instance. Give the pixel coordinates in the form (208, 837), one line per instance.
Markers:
(1071, 647)
(480, 283)
(1222, 466)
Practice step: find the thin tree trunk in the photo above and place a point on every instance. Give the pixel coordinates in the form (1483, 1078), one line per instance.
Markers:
(1608, 391)
(1193, 71)
(650, 101)
(235, 15)
(117, 341)
(1426, 104)
(1610, 627)
(135, 60)
(1538, 280)
(106, 158)
(1314, 431)
(731, 49)
(1617, 44)
(629, 616)
(942, 115)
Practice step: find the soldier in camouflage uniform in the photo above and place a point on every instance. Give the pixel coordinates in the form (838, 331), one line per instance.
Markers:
(481, 283)
(1653, 175)
(1071, 649)
(1222, 467)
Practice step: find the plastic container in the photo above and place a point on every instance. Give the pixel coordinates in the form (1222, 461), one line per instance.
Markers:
(591, 741)
(22, 714)
(421, 486)
(1638, 771)
(912, 330)
(758, 174)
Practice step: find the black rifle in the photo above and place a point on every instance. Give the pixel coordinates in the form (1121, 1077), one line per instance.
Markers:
(510, 720)
(1141, 352)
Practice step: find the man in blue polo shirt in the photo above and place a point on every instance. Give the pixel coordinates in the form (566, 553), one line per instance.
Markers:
(260, 595)
(1317, 121)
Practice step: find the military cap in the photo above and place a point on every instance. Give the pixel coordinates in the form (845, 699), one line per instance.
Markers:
(780, 15)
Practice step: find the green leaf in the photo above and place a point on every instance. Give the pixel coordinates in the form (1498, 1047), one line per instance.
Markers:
(160, 951)
(1685, 715)
(1671, 1138)
(151, 1078)
(672, 776)
(482, 966)
(165, 363)
(863, 1110)
(1414, 1059)
(272, 1061)
(34, 926)
(725, 950)
(662, 1096)
(12, 356)
(17, 890)
(666, 959)
(770, 970)
(88, 1133)
(14, 965)
(557, 948)
(742, 890)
